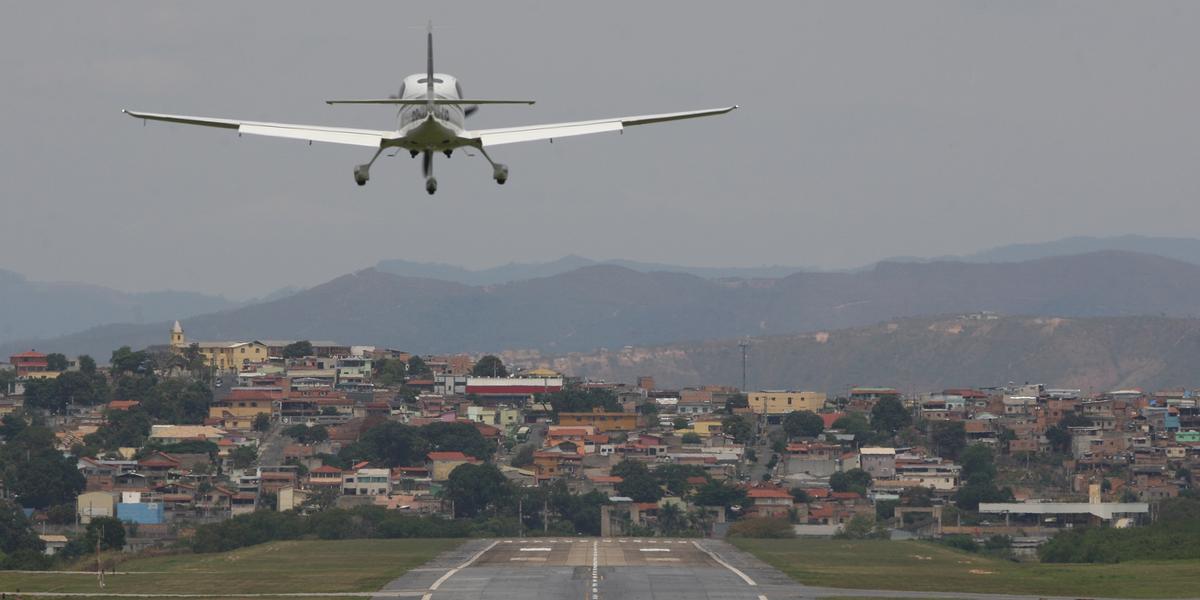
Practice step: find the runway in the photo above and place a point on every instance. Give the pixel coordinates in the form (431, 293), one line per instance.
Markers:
(579, 568)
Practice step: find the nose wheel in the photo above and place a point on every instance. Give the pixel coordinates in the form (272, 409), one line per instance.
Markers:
(362, 174)
(431, 185)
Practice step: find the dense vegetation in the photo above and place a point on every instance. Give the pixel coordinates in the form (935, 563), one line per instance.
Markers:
(1175, 535)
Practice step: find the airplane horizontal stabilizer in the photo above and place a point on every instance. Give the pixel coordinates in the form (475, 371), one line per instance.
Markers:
(423, 101)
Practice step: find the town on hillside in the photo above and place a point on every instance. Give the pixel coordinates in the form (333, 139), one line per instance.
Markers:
(161, 443)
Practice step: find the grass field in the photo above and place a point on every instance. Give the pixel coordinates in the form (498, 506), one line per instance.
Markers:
(922, 566)
(295, 566)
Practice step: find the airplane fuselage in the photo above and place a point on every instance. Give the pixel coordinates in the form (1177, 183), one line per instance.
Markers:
(437, 132)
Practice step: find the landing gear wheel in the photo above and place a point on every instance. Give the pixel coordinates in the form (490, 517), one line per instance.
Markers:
(431, 185)
(500, 174)
(362, 174)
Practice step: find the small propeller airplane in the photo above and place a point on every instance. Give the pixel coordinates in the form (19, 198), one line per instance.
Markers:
(432, 118)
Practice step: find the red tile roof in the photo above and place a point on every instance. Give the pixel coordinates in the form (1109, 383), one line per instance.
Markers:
(447, 456)
(326, 469)
(769, 493)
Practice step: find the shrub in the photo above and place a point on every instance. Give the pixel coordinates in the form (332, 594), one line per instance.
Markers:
(762, 527)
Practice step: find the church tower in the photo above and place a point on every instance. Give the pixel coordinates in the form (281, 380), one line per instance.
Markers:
(177, 340)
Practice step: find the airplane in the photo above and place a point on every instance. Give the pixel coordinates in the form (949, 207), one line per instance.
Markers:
(431, 119)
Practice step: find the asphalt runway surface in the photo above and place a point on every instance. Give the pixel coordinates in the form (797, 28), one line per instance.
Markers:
(578, 568)
(619, 568)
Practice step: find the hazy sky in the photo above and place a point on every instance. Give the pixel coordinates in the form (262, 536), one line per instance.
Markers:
(867, 130)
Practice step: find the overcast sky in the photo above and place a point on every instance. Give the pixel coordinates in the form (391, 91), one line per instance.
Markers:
(867, 130)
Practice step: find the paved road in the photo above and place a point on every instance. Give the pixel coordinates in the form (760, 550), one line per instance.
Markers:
(622, 568)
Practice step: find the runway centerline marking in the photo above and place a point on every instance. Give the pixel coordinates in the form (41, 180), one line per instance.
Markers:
(654, 549)
(536, 549)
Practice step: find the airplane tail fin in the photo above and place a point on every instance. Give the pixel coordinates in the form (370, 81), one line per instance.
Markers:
(429, 72)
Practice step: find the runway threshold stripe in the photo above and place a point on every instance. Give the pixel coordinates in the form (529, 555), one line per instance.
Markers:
(713, 555)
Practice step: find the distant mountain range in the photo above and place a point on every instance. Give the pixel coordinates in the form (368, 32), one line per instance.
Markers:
(610, 306)
(924, 354)
(1183, 249)
(531, 270)
(31, 309)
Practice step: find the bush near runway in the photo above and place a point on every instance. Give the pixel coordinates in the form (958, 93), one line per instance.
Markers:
(924, 566)
(313, 566)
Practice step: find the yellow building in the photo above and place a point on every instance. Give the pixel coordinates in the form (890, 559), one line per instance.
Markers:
(221, 355)
(782, 402)
(704, 429)
(604, 422)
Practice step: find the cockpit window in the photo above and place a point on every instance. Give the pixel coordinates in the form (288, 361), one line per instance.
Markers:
(425, 79)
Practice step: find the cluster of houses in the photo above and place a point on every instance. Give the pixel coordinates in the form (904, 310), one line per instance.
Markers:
(1135, 447)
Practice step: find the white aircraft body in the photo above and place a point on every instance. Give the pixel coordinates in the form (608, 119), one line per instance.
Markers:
(432, 118)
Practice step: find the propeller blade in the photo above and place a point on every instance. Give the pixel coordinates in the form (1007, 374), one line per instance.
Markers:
(470, 110)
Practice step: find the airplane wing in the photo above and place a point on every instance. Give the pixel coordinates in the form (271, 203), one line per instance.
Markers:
(335, 135)
(529, 133)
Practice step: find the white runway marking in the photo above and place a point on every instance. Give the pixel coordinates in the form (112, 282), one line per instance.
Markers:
(428, 595)
(530, 558)
(713, 556)
(535, 549)
(663, 559)
(654, 549)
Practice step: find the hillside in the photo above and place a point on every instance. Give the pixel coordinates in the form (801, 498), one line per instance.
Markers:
(44, 309)
(925, 354)
(610, 306)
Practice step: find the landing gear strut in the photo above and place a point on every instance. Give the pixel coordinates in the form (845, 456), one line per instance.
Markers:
(427, 168)
(362, 173)
(499, 171)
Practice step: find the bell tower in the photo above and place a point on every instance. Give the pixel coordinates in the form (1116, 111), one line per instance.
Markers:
(178, 342)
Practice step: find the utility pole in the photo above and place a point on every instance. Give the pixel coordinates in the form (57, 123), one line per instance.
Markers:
(520, 519)
(744, 345)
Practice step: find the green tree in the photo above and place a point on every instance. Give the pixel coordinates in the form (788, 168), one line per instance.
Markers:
(125, 360)
(853, 423)
(262, 422)
(523, 457)
(574, 398)
(16, 531)
(418, 368)
(889, 416)
(305, 434)
(35, 473)
(854, 480)
(803, 423)
(56, 361)
(736, 401)
(978, 464)
(387, 372)
(178, 401)
(949, 438)
(121, 429)
(717, 493)
(476, 489)
(690, 437)
(671, 519)
(489, 366)
(298, 349)
(87, 364)
(679, 423)
(738, 426)
(800, 495)
(243, 456)
(636, 481)
(110, 532)
(1059, 438)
